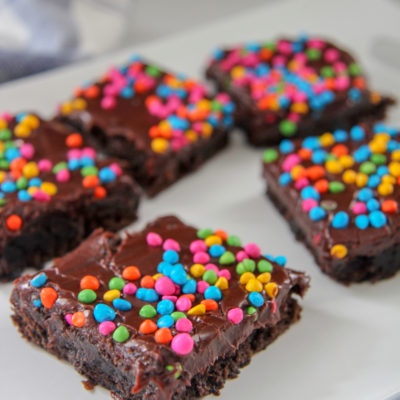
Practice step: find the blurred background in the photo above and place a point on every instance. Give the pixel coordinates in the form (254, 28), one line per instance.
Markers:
(36, 35)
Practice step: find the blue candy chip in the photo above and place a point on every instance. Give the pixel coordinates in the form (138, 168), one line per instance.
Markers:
(166, 321)
(365, 194)
(122, 305)
(340, 220)
(309, 192)
(216, 250)
(149, 295)
(213, 293)
(39, 280)
(165, 307)
(361, 221)
(256, 299)
(37, 303)
(189, 287)
(377, 219)
(103, 313)
(171, 256)
(317, 213)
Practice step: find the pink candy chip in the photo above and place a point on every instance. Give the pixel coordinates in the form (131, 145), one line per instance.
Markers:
(106, 327)
(130, 289)
(27, 151)
(153, 239)
(63, 175)
(212, 267)
(235, 315)
(201, 258)
(184, 325)
(202, 286)
(308, 204)
(241, 255)
(198, 245)
(68, 318)
(359, 208)
(171, 244)
(45, 165)
(165, 286)
(182, 344)
(224, 273)
(252, 250)
(183, 304)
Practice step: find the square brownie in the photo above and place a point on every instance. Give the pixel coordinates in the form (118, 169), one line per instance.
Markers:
(294, 87)
(54, 190)
(165, 125)
(340, 194)
(167, 313)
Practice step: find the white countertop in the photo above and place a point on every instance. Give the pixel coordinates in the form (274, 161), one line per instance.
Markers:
(346, 346)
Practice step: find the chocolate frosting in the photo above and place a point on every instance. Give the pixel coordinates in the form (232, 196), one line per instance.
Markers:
(103, 256)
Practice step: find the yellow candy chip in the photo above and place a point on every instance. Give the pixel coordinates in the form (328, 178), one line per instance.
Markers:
(339, 251)
(197, 270)
(396, 155)
(32, 190)
(159, 145)
(327, 139)
(334, 166)
(346, 161)
(111, 295)
(213, 239)
(32, 121)
(271, 289)
(375, 97)
(222, 283)
(49, 188)
(200, 309)
(361, 179)
(30, 170)
(1, 146)
(382, 137)
(394, 168)
(206, 129)
(378, 146)
(3, 176)
(296, 171)
(204, 104)
(265, 277)
(22, 131)
(157, 276)
(385, 189)
(3, 123)
(254, 285)
(79, 104)
(299, 108)
(66, 108)
(274, 105)
(244, 278)
(191, 135)
(237, 72)
(388, 179)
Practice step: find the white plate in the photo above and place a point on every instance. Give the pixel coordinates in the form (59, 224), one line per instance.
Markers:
(347, 344)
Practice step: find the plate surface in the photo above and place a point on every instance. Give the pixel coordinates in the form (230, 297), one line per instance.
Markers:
(346, 346)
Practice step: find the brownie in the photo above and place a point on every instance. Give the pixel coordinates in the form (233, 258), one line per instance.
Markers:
(165, 125)
(167, 313)
(297, 87)
(54, 190)
(340, 194)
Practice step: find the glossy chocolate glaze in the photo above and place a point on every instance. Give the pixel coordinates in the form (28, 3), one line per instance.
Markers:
(214, 335)
(320, 235)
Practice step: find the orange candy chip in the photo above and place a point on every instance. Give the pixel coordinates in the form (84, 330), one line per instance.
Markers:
(210, 304)
(78, 319)
(315, 172)
(90, 181)
(163, 335)
(48, 296)
(147, 326)
(74, 140)
(131, 273)
(321, 186)
(100, 192)
(222, 234)
(90, 282)
(389, 206)
(14, 222)
(147, 282)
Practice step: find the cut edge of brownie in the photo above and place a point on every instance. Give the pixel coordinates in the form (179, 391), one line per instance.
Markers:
(166, 168)
(96, 368)
(350, 270)
(56, 232)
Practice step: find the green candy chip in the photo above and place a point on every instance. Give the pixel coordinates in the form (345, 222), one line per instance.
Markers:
(264, 266)
(147, 311)
(270, 155)
(121, 334)
(233, 241)
(204, 233)
(87, 296)
(336, 187)
(287, 128)
(116, 283)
